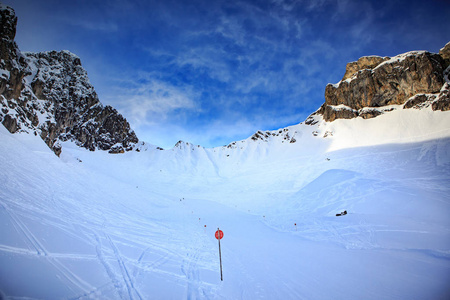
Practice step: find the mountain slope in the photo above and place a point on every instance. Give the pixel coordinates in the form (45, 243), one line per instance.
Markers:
(90, 224)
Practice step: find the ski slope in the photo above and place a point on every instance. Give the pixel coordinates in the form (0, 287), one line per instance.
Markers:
(140, 225)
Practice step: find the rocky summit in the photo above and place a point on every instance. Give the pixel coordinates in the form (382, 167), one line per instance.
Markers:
(49, 94)
(373, 83)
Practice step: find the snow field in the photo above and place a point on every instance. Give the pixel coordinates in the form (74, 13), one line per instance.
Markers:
(91, 225)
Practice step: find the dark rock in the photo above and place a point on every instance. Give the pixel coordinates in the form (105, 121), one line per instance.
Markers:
(311, 120)
(445, 54)
(57, 149)
(8, 23)
(331, 113)
(443, 99)
(10, 123)
(369, 113)
(418, 100)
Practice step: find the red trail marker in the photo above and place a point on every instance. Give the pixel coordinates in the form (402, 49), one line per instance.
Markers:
(219, 236)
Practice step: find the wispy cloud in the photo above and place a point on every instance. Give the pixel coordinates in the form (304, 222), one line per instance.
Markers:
(96, 25)
(151, 101)
(206, 59)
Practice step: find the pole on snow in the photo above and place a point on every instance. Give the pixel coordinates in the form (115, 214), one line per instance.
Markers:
(219, 236)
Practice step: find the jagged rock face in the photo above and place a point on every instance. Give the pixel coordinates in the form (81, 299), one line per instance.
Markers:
(331, 113)
(365, 62)
(49, 94)
(12, 64)
(8, 20)
(418, 100)
(445, 54)
(391, 82)
(443, 99)
(374, 82)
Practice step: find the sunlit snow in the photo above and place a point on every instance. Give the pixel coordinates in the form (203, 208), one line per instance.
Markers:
(141, 225)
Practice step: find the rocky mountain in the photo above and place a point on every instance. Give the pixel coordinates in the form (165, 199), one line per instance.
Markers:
(49, 94)
(375, 85)
(371, 86)
(372, 83)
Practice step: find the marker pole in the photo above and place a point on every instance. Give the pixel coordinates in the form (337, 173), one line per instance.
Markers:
(220, 258)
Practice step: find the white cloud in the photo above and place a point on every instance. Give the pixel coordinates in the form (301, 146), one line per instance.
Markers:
(150, 101)
(209, 58)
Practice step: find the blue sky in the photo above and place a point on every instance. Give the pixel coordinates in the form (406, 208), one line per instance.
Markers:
(212, 72)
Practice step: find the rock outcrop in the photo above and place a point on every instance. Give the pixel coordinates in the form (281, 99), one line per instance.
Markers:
(50, 95)
(365, 62)
(442, 101)
(445, 54)
(373, 82)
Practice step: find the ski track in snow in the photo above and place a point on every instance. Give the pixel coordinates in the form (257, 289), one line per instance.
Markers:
(40, 250)
(125, 274)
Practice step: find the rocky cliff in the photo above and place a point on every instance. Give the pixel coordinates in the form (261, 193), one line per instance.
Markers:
(49, 94)
(373, 83)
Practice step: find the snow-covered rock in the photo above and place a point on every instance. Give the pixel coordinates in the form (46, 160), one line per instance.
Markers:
(376, 82)
(49, 94)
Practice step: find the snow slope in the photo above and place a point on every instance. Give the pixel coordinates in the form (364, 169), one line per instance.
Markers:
(141, 225)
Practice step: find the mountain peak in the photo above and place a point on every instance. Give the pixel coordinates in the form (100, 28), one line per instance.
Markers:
(49, 94)
(374, 82)
(8, 19)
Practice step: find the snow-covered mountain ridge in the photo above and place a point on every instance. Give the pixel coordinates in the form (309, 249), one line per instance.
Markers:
(315, 140)
(49, 94)
(373, 82)
(416, 80)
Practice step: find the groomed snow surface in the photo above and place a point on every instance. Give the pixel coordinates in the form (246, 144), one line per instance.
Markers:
(140, 225)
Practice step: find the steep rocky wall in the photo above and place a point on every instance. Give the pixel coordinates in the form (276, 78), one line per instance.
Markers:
(445, 54)
(365, 62)
(49, 94)
(375, 82)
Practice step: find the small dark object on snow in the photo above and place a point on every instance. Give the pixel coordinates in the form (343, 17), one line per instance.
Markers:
(342, 213)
